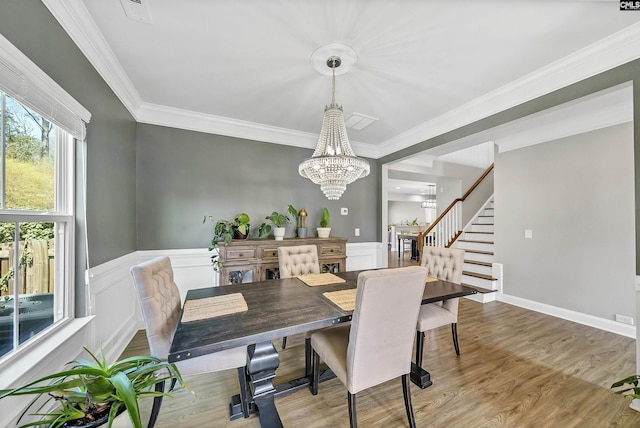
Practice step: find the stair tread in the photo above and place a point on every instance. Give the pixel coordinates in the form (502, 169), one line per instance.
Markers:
(471, 240)
(484, 233)
(475, 262)
(479, 275)
(480, 289)
(489, 253)
(482, 224)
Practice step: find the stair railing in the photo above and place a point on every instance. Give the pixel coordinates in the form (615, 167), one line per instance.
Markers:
(448, 226)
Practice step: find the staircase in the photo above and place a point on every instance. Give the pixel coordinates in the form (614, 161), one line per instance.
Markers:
(477, 241)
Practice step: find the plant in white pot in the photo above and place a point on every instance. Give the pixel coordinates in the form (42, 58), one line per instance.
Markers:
(279, 222)
(324, 230)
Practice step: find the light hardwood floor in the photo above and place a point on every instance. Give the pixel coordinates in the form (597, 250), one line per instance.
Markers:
(517, 368)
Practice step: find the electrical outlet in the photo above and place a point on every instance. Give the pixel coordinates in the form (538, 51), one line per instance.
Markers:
(357, 233)
(344, 211)
(624, 319)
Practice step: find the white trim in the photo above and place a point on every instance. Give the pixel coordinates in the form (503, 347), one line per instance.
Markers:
(40, 358)
(612, 51)
(74, 17)
(21, 79)
(155, 114)
(567, 314)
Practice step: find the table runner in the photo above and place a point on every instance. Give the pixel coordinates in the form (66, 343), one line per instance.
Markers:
(344, 299)
(210, 307)
(315, 279)
(431, 279)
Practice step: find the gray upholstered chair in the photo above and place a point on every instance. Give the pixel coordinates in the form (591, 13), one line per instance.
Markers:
(293, 261)
(377, 346)
(446, 264)
(159, 299)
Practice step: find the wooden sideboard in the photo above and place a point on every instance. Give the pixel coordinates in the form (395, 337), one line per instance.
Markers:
(248, 260)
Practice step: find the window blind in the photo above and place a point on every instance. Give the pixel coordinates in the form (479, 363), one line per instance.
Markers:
(22, 80)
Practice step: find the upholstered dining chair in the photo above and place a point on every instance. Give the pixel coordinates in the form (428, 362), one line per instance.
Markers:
(377, 346)
(446, 264)
(298, 260)
(160, 302)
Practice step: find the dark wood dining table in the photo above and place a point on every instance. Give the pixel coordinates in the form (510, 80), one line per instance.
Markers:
(277, 308)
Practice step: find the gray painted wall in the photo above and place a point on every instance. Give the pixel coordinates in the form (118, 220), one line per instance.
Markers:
(577, 196)
(184, 175)
(110, 135)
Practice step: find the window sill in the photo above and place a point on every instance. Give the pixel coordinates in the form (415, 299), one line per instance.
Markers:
(43, 352)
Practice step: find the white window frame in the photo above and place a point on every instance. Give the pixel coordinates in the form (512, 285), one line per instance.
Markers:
(22, 80)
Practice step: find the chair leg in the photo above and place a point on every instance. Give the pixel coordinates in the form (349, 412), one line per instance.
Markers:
(353, 419)
(454, 333)
(157, 402)
(244, 397)
(419, 347)
(406, 391)
(308, 361)
(284, 342)
(316, 372)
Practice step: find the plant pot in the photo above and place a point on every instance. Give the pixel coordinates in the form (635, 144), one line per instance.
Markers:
(237, 234)
(279, 232)
(302, 232)
(120, 421)
(323, 232)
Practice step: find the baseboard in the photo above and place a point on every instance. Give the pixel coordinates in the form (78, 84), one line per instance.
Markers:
(585, 319)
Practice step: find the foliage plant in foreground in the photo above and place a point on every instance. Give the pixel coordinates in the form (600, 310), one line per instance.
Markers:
(92, 389)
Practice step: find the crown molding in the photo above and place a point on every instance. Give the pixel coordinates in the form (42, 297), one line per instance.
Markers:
(75, 19)
(155, 114)
(612, 51)
(607, 53)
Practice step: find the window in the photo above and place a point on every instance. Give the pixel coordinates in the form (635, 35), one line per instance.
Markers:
(36, 224)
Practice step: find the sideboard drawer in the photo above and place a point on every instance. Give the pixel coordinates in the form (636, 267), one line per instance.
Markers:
(240, 253)
(330, 250)
(269, 253)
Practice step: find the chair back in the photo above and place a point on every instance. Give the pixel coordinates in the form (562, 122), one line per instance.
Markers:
(160, 302)
(383, 325)
(444, 263)
(298, 260)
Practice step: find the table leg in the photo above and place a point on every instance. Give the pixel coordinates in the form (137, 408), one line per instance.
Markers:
(420, 376)
(262, 365)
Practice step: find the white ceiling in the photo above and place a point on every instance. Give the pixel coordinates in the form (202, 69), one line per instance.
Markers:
(243, 68)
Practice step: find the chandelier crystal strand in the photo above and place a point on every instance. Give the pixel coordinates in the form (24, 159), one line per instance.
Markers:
(333, 164)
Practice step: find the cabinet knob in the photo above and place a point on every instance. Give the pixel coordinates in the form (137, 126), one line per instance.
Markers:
(241, 254)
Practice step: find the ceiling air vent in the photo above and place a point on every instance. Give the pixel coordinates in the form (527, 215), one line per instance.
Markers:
(137, 10)
(359, 121)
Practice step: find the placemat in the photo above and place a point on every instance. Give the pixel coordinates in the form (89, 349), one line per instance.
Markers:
(315, 279)
(210, 307)
(344, 299)
(430, 279)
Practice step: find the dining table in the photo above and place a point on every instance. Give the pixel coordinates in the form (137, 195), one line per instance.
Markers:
(270, 310)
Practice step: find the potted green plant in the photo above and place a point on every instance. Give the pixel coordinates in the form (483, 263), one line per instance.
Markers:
(279, 222)
(301, 221)
(324, 230)
(628, 386)
(91, 392)
(224, 231)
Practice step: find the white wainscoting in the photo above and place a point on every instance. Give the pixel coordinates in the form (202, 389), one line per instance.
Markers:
(114, 303)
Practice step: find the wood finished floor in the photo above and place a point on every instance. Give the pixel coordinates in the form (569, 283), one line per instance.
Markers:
(517, 368)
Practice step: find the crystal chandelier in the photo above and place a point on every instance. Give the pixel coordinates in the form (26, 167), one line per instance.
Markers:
(333, 164)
